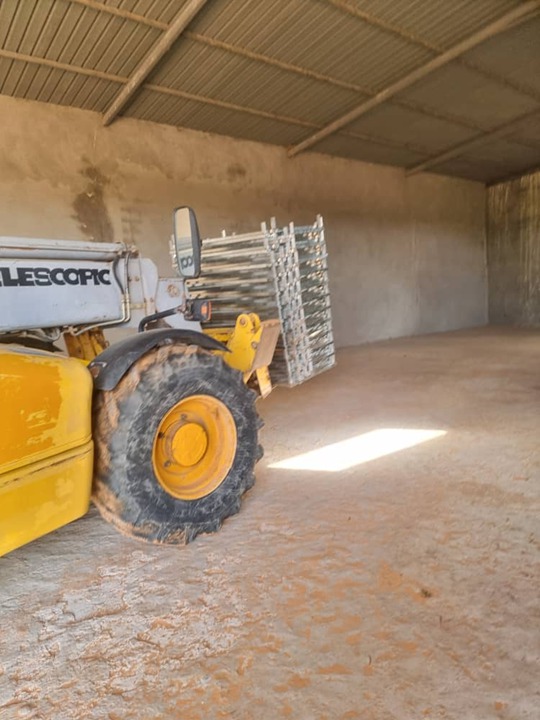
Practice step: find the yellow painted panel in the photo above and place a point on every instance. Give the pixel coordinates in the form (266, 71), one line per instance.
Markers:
(46, 406)
(44, 496)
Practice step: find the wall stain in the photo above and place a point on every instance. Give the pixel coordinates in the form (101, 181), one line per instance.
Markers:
(236, 172)
(90, 208)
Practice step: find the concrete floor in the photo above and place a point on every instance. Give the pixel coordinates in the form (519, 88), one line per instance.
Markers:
(404, 586)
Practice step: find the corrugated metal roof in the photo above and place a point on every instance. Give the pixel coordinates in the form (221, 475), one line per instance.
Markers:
(55, 86)
(513, 56)
(70, 33)
(156, 107)
(356, 149)
(277, 71)
(468, 95)
(527, 131)
(486, 168)
(438, 22)
(505, 153)
(464, 168)
(223, 76)
(314, 35)
(407, 126)
(162, 10)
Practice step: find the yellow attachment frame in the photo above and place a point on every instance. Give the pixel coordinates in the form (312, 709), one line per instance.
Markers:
(252, 343)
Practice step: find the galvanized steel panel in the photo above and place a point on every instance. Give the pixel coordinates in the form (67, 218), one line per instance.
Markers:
(466, 94)
(162, 10)
(156, 107)
(30, 81)
(460, 167)
(109, 44)
(43, 83)
(62, 22)
(102, 42)
(486, 169)
(13, 71)
(70, 33)
(15, 18)
(11, 75)
(513, 56)
(217, 74)
(45, 29)
(82, 91)
(407, 127)
(505, 153)
(6, 67)
(102, 96)
(514, 171)
(61, 88)
(35, 22)
(314, 35)
(44, 16)
(8, 11)
(356, 149)
(526, 131)
(441, 23)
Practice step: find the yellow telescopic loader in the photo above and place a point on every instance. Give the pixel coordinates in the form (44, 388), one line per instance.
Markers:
(159, 428)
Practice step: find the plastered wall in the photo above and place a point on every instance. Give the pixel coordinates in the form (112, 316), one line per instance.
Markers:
(407, 255)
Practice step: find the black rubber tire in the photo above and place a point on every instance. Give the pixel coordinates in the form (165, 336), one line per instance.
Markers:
(126, 419)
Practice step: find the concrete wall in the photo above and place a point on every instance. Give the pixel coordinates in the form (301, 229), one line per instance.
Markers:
(406, 255)
(514, 252)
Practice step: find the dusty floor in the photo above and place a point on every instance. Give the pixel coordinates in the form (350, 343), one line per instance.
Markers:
(405, 586)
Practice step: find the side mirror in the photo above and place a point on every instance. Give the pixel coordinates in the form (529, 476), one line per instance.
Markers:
(187, 243)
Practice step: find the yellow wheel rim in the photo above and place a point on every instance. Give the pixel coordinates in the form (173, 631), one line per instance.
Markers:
(194, 447)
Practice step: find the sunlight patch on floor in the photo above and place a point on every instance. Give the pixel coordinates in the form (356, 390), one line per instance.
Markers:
(357, 450)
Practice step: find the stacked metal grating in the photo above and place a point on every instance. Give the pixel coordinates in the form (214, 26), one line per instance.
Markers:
(315, 291)
(274, 272)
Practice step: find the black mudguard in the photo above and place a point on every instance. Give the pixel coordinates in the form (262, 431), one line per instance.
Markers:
(110, 366)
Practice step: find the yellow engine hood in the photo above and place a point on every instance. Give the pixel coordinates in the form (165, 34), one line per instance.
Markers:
(45, 443)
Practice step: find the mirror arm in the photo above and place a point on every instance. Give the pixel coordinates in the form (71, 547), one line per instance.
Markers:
(159, 316)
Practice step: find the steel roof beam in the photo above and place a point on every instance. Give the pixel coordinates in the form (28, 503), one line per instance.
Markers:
(474, 142)
(520, 13)
(163, 45)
